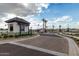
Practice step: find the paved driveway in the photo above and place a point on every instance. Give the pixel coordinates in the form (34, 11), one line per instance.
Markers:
(48, 41)
(51, 43)
(45, 44)
(8, 49)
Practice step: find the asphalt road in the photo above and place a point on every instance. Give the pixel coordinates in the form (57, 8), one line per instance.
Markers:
(14, 50)
(49, 41)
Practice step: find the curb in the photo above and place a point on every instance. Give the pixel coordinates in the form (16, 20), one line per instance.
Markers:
(26, 38)
(7, 41)
(73, 48)
(40, 49)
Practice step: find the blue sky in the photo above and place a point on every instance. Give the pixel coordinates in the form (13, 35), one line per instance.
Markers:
(55, 13)
(59, 10)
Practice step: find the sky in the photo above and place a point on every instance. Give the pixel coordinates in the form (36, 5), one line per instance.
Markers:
(64, 14)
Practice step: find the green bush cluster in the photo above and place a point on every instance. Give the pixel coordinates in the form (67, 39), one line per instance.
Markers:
(5, 36)
(15, 35)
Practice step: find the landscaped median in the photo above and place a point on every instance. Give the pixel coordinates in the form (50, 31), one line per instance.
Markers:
(76, 39)
(74, 36)
(73, 48)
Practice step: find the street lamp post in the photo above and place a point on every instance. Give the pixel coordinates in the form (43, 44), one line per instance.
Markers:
(31, 30)
(68, 28)
(59, 28)
(38, 28)
(43, 24)
(6, 30)
(53, 28)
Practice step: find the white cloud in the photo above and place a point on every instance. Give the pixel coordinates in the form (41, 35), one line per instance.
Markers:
(3, 19)
(76, 25)
(10, 10)
(27, 11)
(45, 5)
(22, 9)
(63, 19)
(34, 22)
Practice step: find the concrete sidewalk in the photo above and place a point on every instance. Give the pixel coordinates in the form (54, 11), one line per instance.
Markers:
(73, 48)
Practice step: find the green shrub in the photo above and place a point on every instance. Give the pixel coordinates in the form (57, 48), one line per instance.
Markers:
(10, 36)
(0, 36)
(5, 36)
(16, 35)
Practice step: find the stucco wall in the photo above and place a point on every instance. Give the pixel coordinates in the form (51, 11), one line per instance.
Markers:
(26, 28)
(16, 27)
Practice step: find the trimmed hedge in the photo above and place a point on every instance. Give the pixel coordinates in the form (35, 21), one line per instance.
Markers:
(5, 36)
(15, 35)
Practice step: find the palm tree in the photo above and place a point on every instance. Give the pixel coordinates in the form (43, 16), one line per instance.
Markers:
(38, 26)
(44, 24)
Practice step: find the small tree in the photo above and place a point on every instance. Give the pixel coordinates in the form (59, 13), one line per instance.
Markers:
(44, 24)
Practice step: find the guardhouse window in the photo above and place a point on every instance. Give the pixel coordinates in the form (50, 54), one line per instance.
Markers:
(11, 27)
